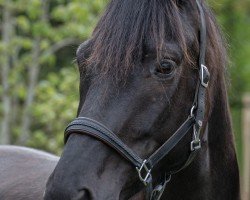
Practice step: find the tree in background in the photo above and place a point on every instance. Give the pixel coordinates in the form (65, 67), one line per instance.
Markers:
(38, 39)
(234, 16)
(39, 83)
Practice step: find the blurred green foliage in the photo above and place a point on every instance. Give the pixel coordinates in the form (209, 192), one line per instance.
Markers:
(56, 104)
(234, 18)
(49, 24)
(58, 27)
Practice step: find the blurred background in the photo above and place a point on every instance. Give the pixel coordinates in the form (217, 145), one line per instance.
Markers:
(39, 78)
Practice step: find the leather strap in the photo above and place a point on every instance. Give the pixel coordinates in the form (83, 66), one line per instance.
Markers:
(86, 126)
(203, 34)
(204, 76)
(83, 125)
(160, 153)
(190, 159)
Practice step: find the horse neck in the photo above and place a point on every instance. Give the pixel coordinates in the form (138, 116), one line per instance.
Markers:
(214, 173)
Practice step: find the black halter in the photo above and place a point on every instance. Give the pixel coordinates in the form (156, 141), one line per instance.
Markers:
(194, 121)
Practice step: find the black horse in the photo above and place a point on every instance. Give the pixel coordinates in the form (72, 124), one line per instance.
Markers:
(140, 74)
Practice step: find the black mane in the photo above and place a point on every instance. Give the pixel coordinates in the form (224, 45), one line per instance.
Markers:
(119, 40)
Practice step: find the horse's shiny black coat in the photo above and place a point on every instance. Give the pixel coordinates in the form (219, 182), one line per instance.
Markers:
(124, 86)
(195, 121)
(119, 88)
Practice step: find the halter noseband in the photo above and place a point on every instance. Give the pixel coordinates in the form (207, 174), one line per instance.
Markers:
(86, 126)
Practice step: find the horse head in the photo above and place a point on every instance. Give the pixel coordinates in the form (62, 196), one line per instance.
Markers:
(138, 82)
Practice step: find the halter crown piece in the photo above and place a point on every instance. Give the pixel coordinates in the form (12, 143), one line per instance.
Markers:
(144, 167)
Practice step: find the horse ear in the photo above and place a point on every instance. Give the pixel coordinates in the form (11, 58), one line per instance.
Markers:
(83, 52)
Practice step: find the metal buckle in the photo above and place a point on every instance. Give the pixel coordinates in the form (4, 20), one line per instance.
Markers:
(195, 145)
(159, 189)
(148, 177)
(204, 74)
(192, 111)
(196, 142)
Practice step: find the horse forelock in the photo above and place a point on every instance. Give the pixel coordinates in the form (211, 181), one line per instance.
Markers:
(119, 40)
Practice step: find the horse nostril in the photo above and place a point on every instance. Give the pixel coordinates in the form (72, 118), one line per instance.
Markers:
(83, 195)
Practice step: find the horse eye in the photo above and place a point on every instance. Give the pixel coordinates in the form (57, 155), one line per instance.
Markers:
(165, 68)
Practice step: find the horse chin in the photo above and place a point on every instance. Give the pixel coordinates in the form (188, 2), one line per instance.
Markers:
(132, 194)
(138, 196)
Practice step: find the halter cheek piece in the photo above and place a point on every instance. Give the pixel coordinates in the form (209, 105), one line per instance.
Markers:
(194, 121)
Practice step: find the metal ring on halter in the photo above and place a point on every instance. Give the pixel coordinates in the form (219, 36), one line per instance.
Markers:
(159, 189)
(144, 168)
(192, 110)
(196, 142)
(204, 76)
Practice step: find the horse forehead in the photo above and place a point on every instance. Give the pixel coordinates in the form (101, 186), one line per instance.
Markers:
(170, 48)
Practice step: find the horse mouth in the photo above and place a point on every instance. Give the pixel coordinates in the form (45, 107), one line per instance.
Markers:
(132, 192)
